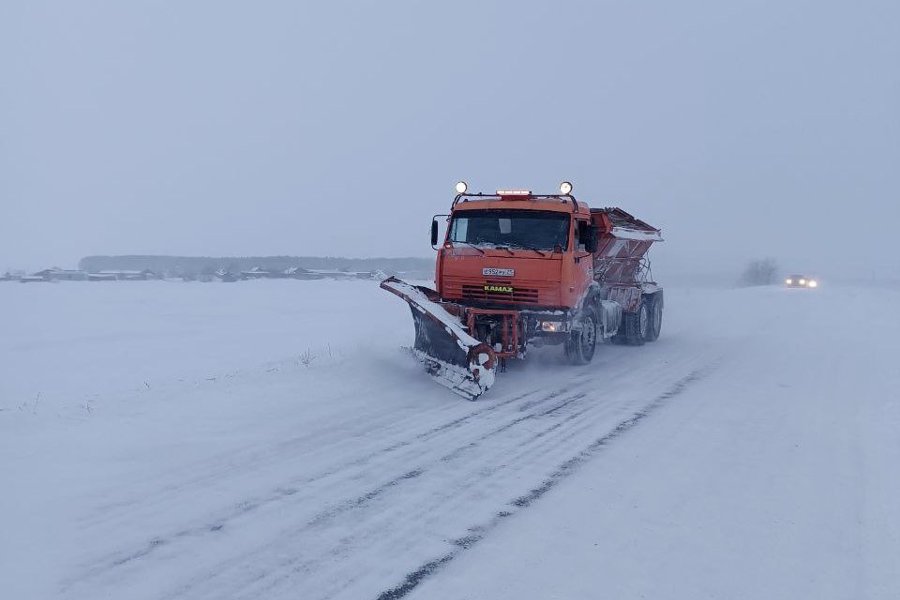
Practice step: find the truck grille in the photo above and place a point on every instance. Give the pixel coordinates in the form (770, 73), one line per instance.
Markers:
(518, 294)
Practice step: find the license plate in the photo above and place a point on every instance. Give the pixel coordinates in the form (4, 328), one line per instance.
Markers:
(504, 289)
(492, 272)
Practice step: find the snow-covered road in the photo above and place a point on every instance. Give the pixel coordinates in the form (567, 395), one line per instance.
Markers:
(270, 439)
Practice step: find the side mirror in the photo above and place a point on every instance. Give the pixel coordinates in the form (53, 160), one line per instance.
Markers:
(434, 232)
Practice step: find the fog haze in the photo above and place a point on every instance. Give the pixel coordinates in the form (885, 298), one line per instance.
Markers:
(743, 129)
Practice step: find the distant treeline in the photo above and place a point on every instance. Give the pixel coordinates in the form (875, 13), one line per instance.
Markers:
(204, 265)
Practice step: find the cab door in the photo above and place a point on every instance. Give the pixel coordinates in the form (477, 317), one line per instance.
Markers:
(582, 268)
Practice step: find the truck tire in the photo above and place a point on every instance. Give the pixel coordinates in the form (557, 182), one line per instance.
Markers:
(582, 344)
(634, 326)
(655, 308)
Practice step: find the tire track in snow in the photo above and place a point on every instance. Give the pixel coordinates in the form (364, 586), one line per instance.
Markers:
(286, 491)
(252, 458)
(565, 470)
(280, 449)
(584, 428)
(292, 566)
(358, 502)
(562, 408)
(266, 582)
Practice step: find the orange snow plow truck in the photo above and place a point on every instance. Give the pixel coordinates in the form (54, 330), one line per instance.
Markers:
(516, 269)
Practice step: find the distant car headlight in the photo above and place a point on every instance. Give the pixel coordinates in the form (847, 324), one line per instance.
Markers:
(802, 282)
(789, 281)
(813, 283)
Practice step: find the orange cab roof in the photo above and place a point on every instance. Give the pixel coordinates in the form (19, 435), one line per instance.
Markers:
(531, 202)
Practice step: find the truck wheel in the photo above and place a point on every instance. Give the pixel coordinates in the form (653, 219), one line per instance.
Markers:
(634, 326)
(655, 312)
(581, 344)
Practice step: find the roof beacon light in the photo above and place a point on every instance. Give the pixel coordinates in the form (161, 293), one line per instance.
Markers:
(461, 187)
(513, 192)
(565, 188)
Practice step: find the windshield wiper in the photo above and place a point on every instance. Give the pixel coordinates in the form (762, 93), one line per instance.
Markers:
(541, 252)
(468, 244)
(504, 248)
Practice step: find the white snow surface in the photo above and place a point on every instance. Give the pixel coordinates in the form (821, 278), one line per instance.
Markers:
(272, 439)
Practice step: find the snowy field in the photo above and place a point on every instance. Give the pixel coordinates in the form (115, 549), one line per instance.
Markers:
(272, 439)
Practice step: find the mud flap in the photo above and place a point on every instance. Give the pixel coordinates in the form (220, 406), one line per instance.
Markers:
(450, 355)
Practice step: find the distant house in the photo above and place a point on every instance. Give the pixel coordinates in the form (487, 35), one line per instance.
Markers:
(226, 276)
(331, 273)
(69, 275)
(102, 277)
(299, 273)
(255, 273)
(12, 276)
(127, 275)
(281, 273)
(343, 274)
(36, 278)
(57, 274)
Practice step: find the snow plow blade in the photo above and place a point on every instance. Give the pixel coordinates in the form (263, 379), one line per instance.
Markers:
(451, 356)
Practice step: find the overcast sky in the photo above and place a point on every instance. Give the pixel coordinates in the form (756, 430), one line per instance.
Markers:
(742, 128)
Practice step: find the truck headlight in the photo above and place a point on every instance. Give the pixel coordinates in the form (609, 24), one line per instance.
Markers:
(551, 326)
(789, 281)
(813, 283)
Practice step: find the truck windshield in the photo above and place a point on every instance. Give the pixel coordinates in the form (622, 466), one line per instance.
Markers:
(541, 230)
